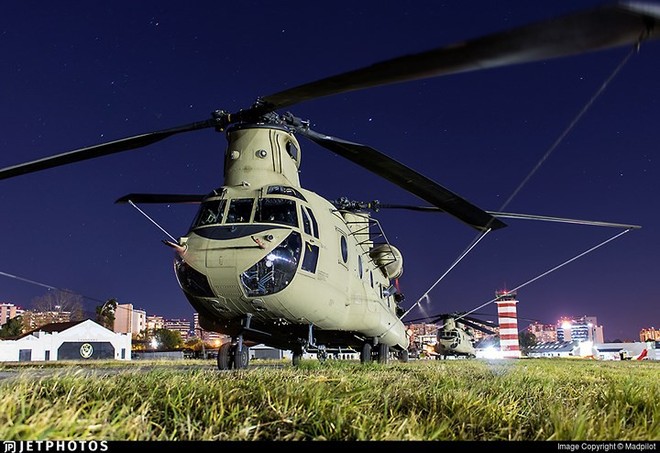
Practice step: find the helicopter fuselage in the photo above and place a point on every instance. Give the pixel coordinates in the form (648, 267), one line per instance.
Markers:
(279, 264)
(452, 340)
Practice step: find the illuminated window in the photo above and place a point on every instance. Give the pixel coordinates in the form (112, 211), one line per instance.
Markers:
(275, 271)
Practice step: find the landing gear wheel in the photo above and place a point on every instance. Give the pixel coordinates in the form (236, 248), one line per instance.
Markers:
(383, 353)
(365, 355)
(296, 358)
(241, 357)
(224, 357)
(403, 355)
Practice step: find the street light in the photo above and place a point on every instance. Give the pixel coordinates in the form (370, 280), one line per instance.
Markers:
(201, 337)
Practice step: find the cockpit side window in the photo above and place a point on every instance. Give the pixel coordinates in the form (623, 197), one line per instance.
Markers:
(211, 212)
(306, 221)
(292, 149)
(315, 226)
(276, 210)
(240, 210)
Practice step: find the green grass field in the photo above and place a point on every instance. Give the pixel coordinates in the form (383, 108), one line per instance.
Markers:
(526, 399)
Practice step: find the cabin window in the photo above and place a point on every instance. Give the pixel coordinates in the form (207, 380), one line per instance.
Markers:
(343, 244)
(292, 149)
(211, 212)
(285, 190)
(311, 258)
(307, 222)
(276, 210)
(315, 225)
(240, 210)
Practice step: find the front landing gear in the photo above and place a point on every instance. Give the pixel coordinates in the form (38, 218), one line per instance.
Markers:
(233, 356)
(224, 356)
(383, 353)
(379, 352)
(365, 354)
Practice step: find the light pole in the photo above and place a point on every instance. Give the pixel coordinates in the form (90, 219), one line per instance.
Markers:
(201, 337)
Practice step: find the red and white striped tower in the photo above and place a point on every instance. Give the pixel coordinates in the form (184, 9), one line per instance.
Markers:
(508, 321)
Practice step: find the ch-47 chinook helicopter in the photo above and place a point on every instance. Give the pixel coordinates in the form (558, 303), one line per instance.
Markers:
(267, 261)
(455, 333)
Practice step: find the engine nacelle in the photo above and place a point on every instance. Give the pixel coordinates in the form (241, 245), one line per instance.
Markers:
(389, 259)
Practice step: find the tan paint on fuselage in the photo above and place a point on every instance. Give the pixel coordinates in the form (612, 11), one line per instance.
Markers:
(453, 340)
(335, 297)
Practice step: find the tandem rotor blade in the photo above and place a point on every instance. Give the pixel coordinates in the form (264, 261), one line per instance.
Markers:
(433, 319)
(102, 149)
(474, 325)
(407, 179)
(623, 23)
(512, 215)
(161, 198)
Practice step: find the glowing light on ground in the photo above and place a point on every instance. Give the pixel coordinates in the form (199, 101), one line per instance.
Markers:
(490, 352)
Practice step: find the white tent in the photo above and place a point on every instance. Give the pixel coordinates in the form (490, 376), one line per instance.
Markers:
(77, 340)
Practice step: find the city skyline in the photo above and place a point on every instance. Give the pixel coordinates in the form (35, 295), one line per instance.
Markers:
(527, 324)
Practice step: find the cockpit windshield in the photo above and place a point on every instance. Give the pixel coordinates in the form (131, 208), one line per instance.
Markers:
(211, 212)
(276, 210)
(240, 210)
(448, 335)
(269, 210)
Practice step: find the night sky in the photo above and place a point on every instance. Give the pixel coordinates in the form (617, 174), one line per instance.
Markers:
(81, 73)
